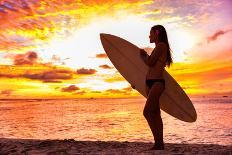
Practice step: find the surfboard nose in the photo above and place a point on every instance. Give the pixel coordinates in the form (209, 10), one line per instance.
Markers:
(103, 35)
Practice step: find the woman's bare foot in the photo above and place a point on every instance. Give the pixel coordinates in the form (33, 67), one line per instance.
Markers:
(157, 147)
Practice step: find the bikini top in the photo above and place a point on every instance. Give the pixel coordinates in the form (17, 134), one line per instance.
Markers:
(160, 58)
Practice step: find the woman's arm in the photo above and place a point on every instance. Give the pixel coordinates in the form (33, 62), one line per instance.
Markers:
(152, 59)
(143, 55)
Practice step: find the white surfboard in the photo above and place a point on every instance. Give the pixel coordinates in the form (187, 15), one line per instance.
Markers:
(125, 56)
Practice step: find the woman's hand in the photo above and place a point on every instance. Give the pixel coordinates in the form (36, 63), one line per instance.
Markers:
(143, 54)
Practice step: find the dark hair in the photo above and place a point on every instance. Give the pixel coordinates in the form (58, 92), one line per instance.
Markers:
(162, 37)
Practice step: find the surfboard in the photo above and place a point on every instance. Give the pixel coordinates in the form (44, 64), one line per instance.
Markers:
(125, 56)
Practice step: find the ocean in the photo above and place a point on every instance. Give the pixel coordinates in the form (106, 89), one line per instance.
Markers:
(112, 120)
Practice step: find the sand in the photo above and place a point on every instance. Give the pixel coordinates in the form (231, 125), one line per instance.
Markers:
(70, 146)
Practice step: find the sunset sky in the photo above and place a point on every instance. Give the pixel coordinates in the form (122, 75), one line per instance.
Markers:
(52, 48)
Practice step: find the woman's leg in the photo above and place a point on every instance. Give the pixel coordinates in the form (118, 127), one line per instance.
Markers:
(152, 112)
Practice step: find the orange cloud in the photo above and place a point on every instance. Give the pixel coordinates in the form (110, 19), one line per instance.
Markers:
(50, 75)
(120, 93)
(105, 67)
(203, 77)
(217, 74)
(39, 72)
(40, 20)
(7, 75)
(6, 92)
(216, 47)
(217, 34)
(80, 92)
(95, 91)
(116, 91)
(26, 66)
(70, 88)
(102, 55)
(86, 71)
(128, 88)
(116, 77)
(52, 81)
(28, 58)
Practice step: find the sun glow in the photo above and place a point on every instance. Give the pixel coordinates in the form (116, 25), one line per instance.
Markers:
(82, 45)
(181, 41)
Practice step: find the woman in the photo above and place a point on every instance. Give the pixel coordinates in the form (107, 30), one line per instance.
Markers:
(157, 61)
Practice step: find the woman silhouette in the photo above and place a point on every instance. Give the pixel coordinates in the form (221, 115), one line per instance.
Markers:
(155, 83)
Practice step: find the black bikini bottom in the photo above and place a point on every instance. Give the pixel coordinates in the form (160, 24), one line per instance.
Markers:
(150, 82)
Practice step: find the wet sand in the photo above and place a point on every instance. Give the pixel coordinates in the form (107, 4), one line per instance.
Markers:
(70, 146)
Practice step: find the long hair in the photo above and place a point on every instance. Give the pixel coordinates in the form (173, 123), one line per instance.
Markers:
(162, 37)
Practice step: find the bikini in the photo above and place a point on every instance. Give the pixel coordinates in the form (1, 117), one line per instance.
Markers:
(150, 82)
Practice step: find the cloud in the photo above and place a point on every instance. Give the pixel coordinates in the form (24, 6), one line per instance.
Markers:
(127, 88)
(215, 74)
(7, 75)
(39, 20)
(96, 92)
(216, 47)
(116, 77)
(186, 87)
(105, 67)
(56, 88)
(71, 88)
(26, 66)
(203, 71)
(80, 92)
(6, 5)
(16, 6)
(117, 91)
(124, 91)
(31, 58)
(101, 55)
(204, 77)
(47, 76)
(57, 59)
(26, 6)
(52, 81)
(217, 34)
(6, 92)
(86, 71)
(50, 75)
(28, 58)
(184, 14)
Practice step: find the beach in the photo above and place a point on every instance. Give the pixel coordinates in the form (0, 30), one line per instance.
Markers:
(70, 146)
(109, 126)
